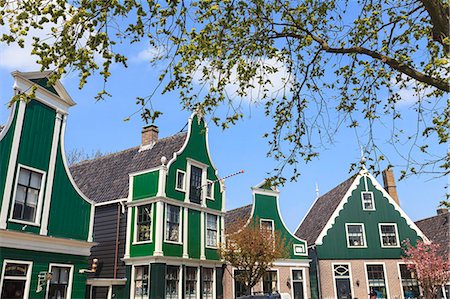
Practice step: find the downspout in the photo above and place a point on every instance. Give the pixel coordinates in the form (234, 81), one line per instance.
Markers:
(116, 254)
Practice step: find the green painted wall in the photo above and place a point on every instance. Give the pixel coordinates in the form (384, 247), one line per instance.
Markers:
(69, 212)
(266, 208)
(335, 243)
(5, 150)
(41, 261)
(194, 234)
(157, 281)
(142, 249)
(196, 150)
(211, 254)
(171, 249)
(145, 185)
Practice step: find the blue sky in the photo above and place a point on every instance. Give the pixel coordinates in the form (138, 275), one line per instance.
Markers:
(99, 126)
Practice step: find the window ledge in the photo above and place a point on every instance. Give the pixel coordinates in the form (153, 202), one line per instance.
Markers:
(173, 242)
(24, 222)
(141, 242)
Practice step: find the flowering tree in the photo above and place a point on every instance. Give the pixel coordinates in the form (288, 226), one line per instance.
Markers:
(252, 250)
(432, 270)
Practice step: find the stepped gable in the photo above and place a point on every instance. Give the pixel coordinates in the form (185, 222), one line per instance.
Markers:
(437, 229)
(106, 178)
(321, 211)
(238, 215)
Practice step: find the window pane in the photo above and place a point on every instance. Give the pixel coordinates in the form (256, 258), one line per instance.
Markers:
(172, 282)
(24, 176)
(195, 184)
(191, 282)
(270, 282)
(141, 283)
(172, 223)
(29, 213)
(13, 289)
(55, 275)
(297, 275)
(18, 210)
(266, 225)
(32, 197)
(211, 221)
(144, 223)
(180, 180)
(36, 179)
(209, 190)
(13, 269)
(21, 194)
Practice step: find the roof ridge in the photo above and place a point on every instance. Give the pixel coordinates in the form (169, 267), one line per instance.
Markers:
(249, 205)
(429, 217)
(123, 150)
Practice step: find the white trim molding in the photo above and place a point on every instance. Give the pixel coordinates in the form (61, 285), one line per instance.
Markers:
(70, 282)
(27, 278)
(12, 165)
(19, 240)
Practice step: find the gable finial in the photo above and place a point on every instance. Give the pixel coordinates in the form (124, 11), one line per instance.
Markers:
(200, 113)
(317, 190)
(363, 159)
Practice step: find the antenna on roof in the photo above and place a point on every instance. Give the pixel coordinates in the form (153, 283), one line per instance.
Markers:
(317, 190)
(363, 158)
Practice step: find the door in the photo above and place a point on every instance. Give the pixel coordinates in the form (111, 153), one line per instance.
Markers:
(343, 288)
(298, 290)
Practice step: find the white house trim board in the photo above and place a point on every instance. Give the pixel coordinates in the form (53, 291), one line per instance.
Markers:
(120, 200)
(202, 236)
(66, 167)
(128, 234)
(344, 200)
(171, 259)
(70, 283)
(292, 263)
(27, 278)
(12, 165)
(185, 232)
(37, 220)
(6, 127)
(19, 240)
(51, 174)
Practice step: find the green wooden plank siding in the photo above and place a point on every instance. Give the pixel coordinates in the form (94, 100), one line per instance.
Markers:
(5, 150)
(194, 234)
(37, 133)
(69, 213)
(145, 185)
(195, 149)
(266, 208)
(41, 261)
(142, 249)
(211, 254)
(157, 280)
(335, 243)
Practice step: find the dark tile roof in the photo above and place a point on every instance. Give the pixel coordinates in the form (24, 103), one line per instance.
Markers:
(106, 178)
(321, 211)
(238, 215)
(437, 229)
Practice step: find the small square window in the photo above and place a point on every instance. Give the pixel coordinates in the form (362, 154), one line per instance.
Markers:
(355, 235)
(299, 249)
(180, 183)
(388, 235)
(367, 201)
(267, 225)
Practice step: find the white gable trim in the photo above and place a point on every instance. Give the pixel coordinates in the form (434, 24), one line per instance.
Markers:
(366, 174)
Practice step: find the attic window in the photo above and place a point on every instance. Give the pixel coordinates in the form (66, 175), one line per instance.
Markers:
(367, 201)
(180, 183)
(195, 184)
(389, 235)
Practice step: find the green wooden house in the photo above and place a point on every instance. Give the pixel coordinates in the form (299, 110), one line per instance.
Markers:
(45, 221)
(159, 217)
(355, 233)
(289, 276)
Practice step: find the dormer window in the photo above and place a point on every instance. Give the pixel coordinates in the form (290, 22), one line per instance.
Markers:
(195, 186)
(367, 201)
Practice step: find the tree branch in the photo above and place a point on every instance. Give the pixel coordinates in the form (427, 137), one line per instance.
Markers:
(439, 15)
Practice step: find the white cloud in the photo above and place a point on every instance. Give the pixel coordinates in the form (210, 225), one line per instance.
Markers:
(147, 55)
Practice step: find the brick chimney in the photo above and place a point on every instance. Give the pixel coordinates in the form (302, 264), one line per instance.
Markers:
(441, 211)
(149, 135)
(389, 184)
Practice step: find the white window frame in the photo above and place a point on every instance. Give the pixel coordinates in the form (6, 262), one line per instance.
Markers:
(363, 233)
(362, 200)
(278, 279)
(135, 234)
(400, 278)
(183, 188)
(211, 197)
(37, 221)
(70, 283)
(133, 275)
(180, 224)
(217, 231)
(349, 276)
(204, 167)
(27, 278)
(386, 282)
(396, 235)
(213, 280)
(303, 281)
(268, 220)
(180, 279)
(303, 249)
